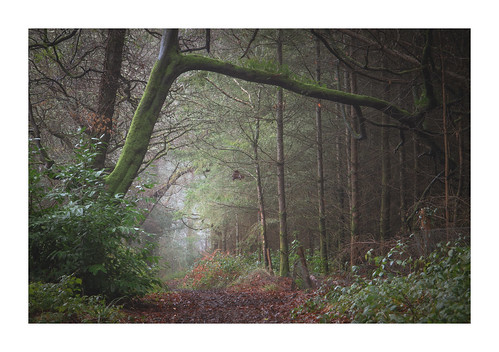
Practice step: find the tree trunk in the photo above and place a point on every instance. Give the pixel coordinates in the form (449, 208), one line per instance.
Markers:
(283, 231)
(402, 185)
(354, 180)
(354, 206)
(340, 192)
(37, 138)
(224, 240)
(102, 127)
(384, 220)
(166, 69)
(261, 204)
(446, 153)
(460, 146)
(237, 236)
(341, 155)
(415, 167)
(320, 170)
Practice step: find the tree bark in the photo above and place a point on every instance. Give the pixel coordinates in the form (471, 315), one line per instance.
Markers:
(460, 146)
(320, 169)
(283, 226)
(166, 69)
(238, 245)
(261, 203)
(35, 133)
(103, 125)
(384, 220)
(354, 180)
(402, 185)
(446, 152)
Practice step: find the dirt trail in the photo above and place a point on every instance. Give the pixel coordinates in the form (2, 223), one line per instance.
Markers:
(215, 306)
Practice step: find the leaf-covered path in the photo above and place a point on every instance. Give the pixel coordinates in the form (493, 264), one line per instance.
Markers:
(216, 306)
(260, 299)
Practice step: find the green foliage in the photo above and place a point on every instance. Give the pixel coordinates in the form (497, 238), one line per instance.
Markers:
(271, 66)
(436, 290)
(266, 65)
(62, 303)
(313, 258)
(217, 270)
(77, 227)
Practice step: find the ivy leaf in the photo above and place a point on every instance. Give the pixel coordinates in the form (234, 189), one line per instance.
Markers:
(94, 269)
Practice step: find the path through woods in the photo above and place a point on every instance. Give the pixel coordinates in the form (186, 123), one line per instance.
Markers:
(235, 305)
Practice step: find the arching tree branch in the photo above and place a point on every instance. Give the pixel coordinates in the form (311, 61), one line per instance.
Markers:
(171, 64)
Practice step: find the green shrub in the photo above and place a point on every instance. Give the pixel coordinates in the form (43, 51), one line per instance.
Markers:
(77, 227)
(62, 303)
(436, 290)
(216, 270)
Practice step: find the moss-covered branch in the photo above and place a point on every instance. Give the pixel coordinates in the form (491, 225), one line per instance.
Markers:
(163, 74)
(171, 64)
(283, 79)
(196, 62)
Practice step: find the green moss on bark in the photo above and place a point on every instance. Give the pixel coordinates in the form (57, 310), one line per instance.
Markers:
(171, 64)
(162, 76)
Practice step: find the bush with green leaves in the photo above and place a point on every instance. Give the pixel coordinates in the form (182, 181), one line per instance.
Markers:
(217, 270)
(77, 227)
(436, 290)
(62, 303)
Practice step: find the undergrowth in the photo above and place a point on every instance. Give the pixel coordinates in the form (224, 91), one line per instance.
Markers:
(62, 302)
(217, 270)
(77, 227)
(400, 289)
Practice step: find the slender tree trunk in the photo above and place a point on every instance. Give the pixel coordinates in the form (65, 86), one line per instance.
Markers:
(237, 236)
(402, 185)
(102, 127)
(384, 221)
(354, 206)
(224, 240)
(446, 153)
(460, 146)
(340, 155)
(261, 204)
(283, 231)
(354, 179)
(415, 167)
(320, 169)
(340, 193)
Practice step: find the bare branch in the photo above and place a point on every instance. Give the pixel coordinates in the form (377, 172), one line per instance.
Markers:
(250, 42)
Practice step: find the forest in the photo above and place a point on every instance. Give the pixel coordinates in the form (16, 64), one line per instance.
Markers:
(249, 175)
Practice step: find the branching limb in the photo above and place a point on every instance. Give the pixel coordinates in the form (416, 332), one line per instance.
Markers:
(250, 42)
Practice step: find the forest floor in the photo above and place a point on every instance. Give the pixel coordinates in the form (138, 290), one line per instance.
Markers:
(255, 301)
